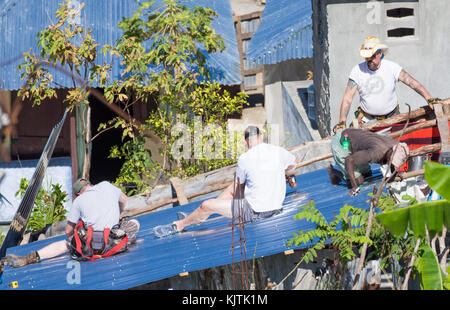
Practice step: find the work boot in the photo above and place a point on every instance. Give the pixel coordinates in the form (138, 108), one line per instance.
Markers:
(131, 228)
(20, 261)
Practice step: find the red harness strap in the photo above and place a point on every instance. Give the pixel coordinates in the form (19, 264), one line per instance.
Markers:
(116, 248)
(106, 233)
(77, 238)
(90, 231)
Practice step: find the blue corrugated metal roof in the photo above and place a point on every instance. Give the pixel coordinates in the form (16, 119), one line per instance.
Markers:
(285, 32)
(20, 21)
(201, 247)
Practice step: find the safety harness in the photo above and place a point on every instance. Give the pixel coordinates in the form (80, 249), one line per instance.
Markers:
(89, 245)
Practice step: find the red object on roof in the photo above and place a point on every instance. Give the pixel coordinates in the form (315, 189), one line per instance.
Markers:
(418, 139)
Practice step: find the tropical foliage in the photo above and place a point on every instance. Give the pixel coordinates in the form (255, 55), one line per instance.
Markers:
(392, 236)
(426, 220)
(49, 205)
(69, 47)
(163, 51)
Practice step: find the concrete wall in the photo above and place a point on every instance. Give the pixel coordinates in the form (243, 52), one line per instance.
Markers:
(277, 107)
(341, 27)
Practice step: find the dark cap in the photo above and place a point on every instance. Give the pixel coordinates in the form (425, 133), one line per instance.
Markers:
(79, 184)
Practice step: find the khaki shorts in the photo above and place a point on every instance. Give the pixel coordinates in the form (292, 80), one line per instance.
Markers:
(242, 209)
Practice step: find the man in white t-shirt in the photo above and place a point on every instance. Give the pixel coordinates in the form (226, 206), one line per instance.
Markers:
(375, 80)
(258, 191)
(98, 206)
(93, 207)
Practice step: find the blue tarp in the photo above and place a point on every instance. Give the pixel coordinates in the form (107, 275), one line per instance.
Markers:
(285, 32)
(201, 247)
(20, 21)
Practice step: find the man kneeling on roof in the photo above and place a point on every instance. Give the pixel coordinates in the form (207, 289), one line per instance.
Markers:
(94, 228)
(259, 187)
(364, 147)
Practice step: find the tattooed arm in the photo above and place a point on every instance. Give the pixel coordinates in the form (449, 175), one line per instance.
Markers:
(350, 91)
(411, 82)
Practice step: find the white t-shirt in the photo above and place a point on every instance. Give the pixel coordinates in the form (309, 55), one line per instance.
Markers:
(376, 89)
(98, 206)
(262, 169)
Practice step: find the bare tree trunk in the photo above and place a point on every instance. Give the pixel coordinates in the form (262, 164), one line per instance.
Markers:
(410, 265)
(443, 250)
(87, 142)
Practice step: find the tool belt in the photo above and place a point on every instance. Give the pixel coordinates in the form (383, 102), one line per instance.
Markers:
(360, 114)
(89, 245)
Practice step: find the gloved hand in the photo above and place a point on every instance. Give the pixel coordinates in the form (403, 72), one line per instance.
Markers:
(124, 218)
(291, 180)
(339, 126)
(432, 100)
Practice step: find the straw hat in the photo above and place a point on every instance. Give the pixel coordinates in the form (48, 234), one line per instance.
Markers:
(371, 45)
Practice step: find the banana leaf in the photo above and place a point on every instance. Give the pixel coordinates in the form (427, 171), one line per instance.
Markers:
(431, 215)
(431, 274)
(438, 178)
(434, 214)
(447, 279)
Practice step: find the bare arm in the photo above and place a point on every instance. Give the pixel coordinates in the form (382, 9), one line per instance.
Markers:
(70, 227)
(291, 167)
(123, 200)
(408, 80)
(360, 157)
(347, 100)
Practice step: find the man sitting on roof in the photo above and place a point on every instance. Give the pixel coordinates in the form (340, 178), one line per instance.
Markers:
(96, 208)
(366, 147)
(259, 187)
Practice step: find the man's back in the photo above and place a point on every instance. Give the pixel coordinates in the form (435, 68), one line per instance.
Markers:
(377, 145)
(97, 206)
(262, 168)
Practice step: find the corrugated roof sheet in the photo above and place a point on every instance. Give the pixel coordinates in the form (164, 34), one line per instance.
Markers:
(285, 32)
(20, 21)
(201, 247)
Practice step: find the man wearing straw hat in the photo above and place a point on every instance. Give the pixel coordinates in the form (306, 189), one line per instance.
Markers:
(375, 79)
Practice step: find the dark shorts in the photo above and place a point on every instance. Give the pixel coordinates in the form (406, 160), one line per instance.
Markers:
(242, 209)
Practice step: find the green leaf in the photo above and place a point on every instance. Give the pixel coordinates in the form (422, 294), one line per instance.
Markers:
(433, 214)
(438, 178)
(430, 272)
(446, 283)
(396, 221)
